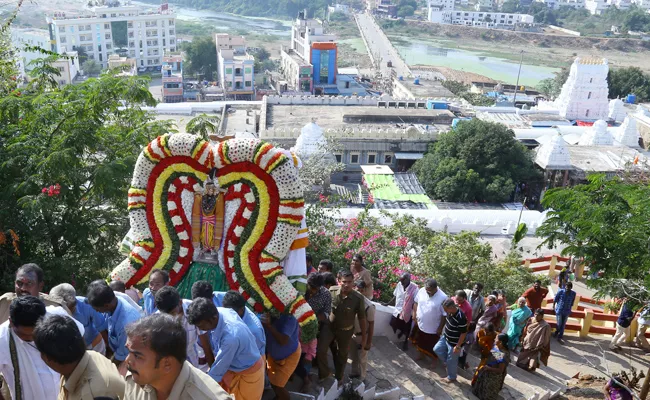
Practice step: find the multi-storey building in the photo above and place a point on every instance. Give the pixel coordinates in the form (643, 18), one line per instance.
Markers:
(172, 79)
(479, 18)
(235, 67)
(132, 31)
(68, 67)
(484, 5)
(297, 71)
(127, 65)
(33, 38)
(305, 32)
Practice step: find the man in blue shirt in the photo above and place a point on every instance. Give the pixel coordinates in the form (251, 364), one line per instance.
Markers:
(623, 323)
(283, 353)
(95, 326)
(238, 364)
(118, 315)
(235, 301)
(157, 279)
(563, 303)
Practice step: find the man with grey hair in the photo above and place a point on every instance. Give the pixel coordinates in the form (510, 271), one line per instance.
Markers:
(95, 325)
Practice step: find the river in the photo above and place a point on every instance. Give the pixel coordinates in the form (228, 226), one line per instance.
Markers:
(229, 22)
(427, 53)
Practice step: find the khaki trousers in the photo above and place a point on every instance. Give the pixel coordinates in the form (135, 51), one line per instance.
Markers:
(359, 358)
(342, 339)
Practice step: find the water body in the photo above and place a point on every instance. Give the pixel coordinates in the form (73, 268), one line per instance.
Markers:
(418, 52)
(231, 22)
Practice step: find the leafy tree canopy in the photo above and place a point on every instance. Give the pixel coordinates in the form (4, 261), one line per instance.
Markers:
(606, 222)
(476, 161)
(201, 54)
(623, 81)
(67, 159)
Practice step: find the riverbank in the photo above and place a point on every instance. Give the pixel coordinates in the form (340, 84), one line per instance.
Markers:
(551, 51)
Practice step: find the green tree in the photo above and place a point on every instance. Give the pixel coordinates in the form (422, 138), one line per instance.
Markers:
(551, 87)
(510, 6)
(8, 57)
(476, 161)
(405, 11)
(203, 125)
(91, 67)
(623, 81)
(67, 159)
(605, 221)
(201, 55)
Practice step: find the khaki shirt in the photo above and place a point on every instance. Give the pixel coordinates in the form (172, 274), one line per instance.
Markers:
(345, 309)
(370, 315)
(191, 384)
(7, 298)
(95, 376)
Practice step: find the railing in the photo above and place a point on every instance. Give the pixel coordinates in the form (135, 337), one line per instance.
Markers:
(586, 319)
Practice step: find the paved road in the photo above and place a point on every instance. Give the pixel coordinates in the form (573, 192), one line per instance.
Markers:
(155, 87)
(381, 48)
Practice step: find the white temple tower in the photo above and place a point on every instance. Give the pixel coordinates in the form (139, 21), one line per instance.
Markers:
(617, 110)
(627, 134)
(554, 155)
(598, 135)
(310, 141)
(584, 94)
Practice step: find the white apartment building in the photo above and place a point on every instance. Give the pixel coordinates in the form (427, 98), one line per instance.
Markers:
(442, 5)
(479, 18)
(235, 67)
(556, 4)
(29, 37)
(137, 32)
(304, 32)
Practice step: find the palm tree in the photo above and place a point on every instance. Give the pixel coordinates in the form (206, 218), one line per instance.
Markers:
(203, 125)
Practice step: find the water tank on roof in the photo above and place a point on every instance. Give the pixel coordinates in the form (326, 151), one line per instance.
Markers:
(401, 78)
(416, 81)
(631, 98)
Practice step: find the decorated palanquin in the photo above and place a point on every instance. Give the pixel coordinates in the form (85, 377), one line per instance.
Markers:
(237, 204)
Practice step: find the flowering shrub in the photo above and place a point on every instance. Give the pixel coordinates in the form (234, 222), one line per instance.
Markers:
(407, 245)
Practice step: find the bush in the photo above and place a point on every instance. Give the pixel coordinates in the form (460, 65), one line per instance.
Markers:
(407, 245)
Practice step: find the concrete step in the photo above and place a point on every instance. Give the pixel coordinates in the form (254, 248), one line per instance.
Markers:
(521, 384)
(389, 360)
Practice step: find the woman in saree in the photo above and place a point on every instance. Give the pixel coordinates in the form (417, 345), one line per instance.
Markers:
(485, 339)
(491, 310)
(518, 319)
(536, 346)
(488, 379)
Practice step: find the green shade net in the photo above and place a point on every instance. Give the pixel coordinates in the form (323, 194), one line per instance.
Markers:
(383, 187)
(202, 272)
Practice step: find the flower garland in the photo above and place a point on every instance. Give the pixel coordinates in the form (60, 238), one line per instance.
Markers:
(168, 166)
(267, 221)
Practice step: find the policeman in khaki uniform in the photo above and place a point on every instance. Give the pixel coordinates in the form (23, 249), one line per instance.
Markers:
(158, 367)
(358, 348)
(347, 305)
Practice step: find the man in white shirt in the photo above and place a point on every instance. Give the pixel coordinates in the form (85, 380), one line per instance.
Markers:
(430, 317)
(168, 301)
(19, 356)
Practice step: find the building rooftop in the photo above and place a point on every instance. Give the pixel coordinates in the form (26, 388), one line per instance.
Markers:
(426, 88)
(601, 158)
(107, 12)
(287, 117)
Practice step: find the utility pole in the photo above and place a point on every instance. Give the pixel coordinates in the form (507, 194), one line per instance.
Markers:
(514, 100)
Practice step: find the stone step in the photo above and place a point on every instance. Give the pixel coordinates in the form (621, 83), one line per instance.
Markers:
(388, 360)
(521, 384)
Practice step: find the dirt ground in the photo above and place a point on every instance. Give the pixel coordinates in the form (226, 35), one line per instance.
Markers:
(451, 74)
(547, 50)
